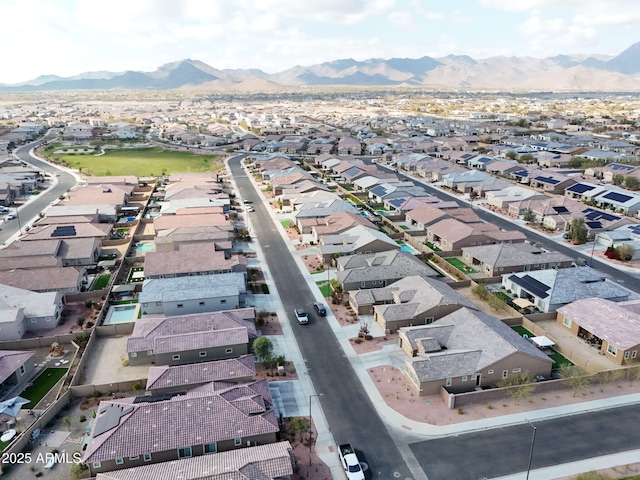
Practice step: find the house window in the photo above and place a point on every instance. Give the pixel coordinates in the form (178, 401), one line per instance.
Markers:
(201, 303)
(147, 457)
(97, 464)
(363, 284)
(464, 378)
(447, 383)
(223, 300)
(237, 442)
(516, 370)
(33, 320)
(490, 372)
(505, 373)
(202, 354)
(180, 305)
(428, 320)
(22, 369)
(158, 303)
(176, 357)
(149, 352)
(228, 350)
(210, 448)
(145, 304)
(119, 461)
(626, 355)
(136, 457)
(134, 354)
(612, 350)
(634, 353)
(466, 255)
(184, 452)
(566, 322)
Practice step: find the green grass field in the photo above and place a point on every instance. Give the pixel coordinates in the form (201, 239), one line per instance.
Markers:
(101, 282)
(324, 287)
(141, 162)
(460, 265)
(559, 360)
(522, 331)
(41, 385)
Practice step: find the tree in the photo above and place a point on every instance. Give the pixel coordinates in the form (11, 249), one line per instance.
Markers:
(481, 291)
(526, 158)
(632, 183)
(496, 303)
(578, 232)
(263, 348)
(518, 387)
(625, 252)
(576, 377)
(298, 425)
(529, 216)
(511, 155)
(617, 179)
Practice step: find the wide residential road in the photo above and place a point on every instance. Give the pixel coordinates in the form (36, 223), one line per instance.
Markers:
(632, 282)
(31, 210)
(349, 412)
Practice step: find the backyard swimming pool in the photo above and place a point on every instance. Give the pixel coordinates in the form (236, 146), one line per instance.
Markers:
(408, 248)
(145, 246)
(122, 314)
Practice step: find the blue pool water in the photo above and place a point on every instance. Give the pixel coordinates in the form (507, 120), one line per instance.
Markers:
(408, 248)
(122, 314)
(145, 246)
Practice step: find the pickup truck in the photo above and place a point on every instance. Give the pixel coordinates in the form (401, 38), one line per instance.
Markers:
(350, 462)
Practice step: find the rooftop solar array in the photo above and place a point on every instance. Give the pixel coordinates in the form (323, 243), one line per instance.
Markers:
(618, 166)
(531, 285)
(110, 418)
(592, 214)
(551, 180)
(581, 188)
(153, 398)
(594, 225)
(561, 209)
(396, 202)
(634, 228)
(617, 197)
(64, 231)
(522, 173)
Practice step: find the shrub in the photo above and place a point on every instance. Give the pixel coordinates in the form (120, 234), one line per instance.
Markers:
(265, 288)
(460, 410)
(125, 362)
(83, 418)
(136, 386)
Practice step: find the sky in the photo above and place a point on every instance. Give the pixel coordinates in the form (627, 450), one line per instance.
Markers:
(69, 37)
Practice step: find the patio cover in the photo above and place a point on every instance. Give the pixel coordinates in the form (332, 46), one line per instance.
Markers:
(122, 288)
(542, 341)
(522, 302)
(12, 406)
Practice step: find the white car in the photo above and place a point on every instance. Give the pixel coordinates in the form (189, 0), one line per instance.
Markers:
(250, 209)
(301, 316)
(11, 216)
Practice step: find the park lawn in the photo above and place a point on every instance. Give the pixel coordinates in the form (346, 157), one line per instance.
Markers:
(41, 385)
(141, 162)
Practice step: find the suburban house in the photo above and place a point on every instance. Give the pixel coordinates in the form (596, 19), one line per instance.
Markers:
(501, 199)
(135, 431)
(16, 367)
(321, 210)
(548, 290)
(47, 279)
(613, 327)
(165, 379)
(190, 259)
(271, 461)
(338, 223)
(465, 350)
(375, 270)
(412, 300)
(191, 338)
(501, 258)
(69, 251)
(24, 311)
(625, 235)
(451, 234)
(619, 200)
(356, 240)
(192, 294)
(171, 239)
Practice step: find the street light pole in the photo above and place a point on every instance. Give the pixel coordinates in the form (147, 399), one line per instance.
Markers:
(533, 441)
(310, 397)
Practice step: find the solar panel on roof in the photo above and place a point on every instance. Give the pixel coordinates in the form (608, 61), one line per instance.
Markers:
(561, 209)
(594, 225)
(617, 197)
(396, 202)
(635, 229)
(617, 166)
(110, 418)
(531, 285)
(153, 398)
(580, 188)
(64, 231)
(550, 180)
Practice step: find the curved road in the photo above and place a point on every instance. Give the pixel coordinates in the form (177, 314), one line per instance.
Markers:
(31, 210)
(349, 412)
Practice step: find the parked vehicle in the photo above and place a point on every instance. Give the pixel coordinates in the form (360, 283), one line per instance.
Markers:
(320, 309)
(301, 316)
(350, 462)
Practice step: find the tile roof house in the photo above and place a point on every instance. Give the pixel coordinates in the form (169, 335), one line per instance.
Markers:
(338, 223)
(135, 431)
(48, 279)
(16, 367)
(190, 259)
(193, 294)
(615, 327)
(323, 209)
(412, 300)
(353, 241)
(465, 350)
(174, 379)
(173, 238)
(501, 258)
(375, 270)
(183, 219)
(263, 462)
(24, 311)
(451, 234)
(191, 338)
(548, 290)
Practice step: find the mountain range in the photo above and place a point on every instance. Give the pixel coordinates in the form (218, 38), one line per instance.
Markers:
(560, 73)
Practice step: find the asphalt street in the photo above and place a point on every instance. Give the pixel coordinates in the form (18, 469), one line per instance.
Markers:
(349, 412)
(31, 210)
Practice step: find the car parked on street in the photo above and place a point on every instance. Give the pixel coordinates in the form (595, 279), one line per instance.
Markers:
(320, 309)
